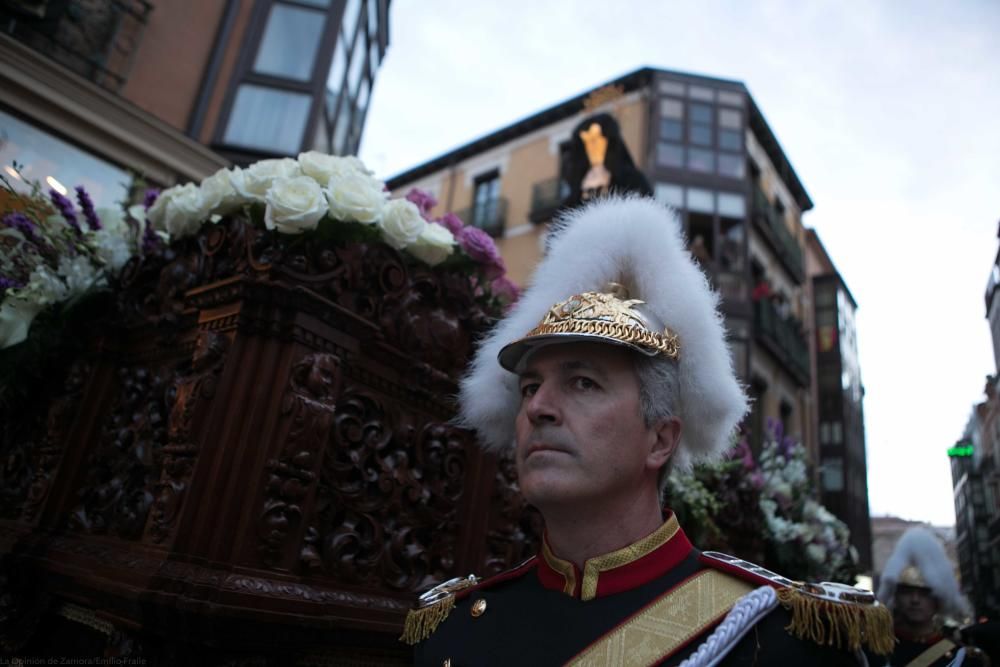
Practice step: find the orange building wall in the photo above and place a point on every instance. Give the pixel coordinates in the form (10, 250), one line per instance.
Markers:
(173, 53)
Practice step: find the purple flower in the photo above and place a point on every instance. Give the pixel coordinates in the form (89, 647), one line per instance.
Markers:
(23, 224)
(452, 223)
(505, 289)
(757, 479)
(66, 209)
(150, 198)
(425, 201)
(87, 204)
(6, 282)
(478, 245)
(150, 241)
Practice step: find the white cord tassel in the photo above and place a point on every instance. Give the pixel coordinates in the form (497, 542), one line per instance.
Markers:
(747, 611)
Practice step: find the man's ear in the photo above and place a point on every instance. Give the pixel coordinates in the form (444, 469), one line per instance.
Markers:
(667, 434)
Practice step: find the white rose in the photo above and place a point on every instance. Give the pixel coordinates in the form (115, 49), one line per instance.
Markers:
(356, 197)
(433, 245)
(253, 182)
(79, 274)
(294, 205)
(218, 193)
(324, 167)
(401, 223)
(179, 210)
(816, 553)
(15, 320)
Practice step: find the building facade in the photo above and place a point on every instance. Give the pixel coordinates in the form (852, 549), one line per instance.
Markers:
(841, 456)
(99, 92)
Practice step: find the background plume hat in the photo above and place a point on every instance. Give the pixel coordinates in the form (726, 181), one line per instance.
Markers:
(665, 306)
(919, 560)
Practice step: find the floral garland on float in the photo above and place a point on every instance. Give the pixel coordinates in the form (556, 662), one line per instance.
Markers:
(765, 511)
(62, 262)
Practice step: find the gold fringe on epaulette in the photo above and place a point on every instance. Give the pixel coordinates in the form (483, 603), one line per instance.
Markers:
(420, 623)
(842, 624)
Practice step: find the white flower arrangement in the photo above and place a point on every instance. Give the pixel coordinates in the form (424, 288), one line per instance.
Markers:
(298, 195)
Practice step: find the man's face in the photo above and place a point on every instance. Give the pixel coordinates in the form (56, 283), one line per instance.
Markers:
(915, 605)
(580, 432)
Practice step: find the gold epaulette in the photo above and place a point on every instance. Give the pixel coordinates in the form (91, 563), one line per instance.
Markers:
(432, 608)
(829, 614)
(838, 615)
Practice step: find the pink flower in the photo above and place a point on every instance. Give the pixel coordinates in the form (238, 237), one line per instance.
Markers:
(452, 223)
(425, 201)
(478, 245)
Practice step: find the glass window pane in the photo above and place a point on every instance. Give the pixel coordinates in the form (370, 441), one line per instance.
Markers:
(731, 230)
(357, 65)
(373, 18)
(671, 88)
(731, 165)
(373, 53)
(700, 159)
(671, 129)
(288, 47)
(269, 119)
(670, 194)
(363, 94)
(669, 155)
(730, 140)
(701, 93)
(349, 21)
(46, 156)
(701, 135)
(833, 474)
(726, 97)
(315, 3)
(732, 205)
(700, 201)
(701, 113)
(670, 108)
(730, 118)
(335, 82)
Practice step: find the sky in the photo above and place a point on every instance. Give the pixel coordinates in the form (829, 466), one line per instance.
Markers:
(889, 112)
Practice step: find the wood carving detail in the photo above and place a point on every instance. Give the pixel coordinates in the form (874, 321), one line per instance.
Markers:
(122, 472)
(188, 396)
(308, 409)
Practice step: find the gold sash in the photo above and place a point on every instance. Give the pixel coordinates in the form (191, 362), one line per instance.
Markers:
(667, 623)
(933, 653)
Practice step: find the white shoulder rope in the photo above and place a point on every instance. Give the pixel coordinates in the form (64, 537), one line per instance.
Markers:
(747, 611)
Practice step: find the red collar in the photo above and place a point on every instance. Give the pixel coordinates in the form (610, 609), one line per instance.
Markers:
(621, 570)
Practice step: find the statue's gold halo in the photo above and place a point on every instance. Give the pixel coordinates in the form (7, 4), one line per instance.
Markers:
(601, 317)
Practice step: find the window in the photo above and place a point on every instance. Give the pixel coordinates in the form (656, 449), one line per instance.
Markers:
(670, 194)
(732, 205)
(701, 93)
(349, 22)
(726, 97)
(701, 135)
(485, 206)
(699, 159)
(731, 234)
(700, 201)
(670, 108)
(701, 113)
(730, 119)
(335, 81)
(731, 164)
(671, 88)
(701, 238)
(288, 47)
(268, 119)
(730, 140)
(669, 155)
(833, 474)
(671, 129)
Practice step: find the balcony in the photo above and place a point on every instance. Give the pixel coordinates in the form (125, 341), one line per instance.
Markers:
(783, 339)
(490, 216)
(96, 39)
(768, 222)
(545, 199)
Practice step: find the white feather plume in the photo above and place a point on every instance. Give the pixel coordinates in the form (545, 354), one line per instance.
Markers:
(637, 242)
(921, 548)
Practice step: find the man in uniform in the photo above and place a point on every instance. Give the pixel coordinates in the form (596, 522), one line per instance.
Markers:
(918, 584)
(612, 368)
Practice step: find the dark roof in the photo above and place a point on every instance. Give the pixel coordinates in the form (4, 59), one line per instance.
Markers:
(634, 80)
